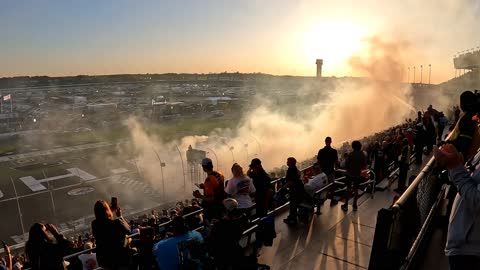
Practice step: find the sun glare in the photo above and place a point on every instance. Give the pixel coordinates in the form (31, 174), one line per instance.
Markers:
(334, 42)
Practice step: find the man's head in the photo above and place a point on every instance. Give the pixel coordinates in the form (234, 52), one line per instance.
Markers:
(179, 226)
(328, 141)
(207, 165)
(291, 161)
(356, 145)
(255, 164)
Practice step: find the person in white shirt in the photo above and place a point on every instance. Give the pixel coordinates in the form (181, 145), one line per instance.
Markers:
(89, 260)
(317, 182)
(240, 187)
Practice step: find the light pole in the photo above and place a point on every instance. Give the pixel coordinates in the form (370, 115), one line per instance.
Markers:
(136, 166)
(162, 164)
(408, 76)
(246, 148)
(231, 151)
(413, 75)
(429, 72)
(223, 139)
(258, 144)
(421, 74)
(216, 158)
(183, 169)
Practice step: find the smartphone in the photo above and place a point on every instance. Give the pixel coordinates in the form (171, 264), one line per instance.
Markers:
(198, 185)
(114, 203)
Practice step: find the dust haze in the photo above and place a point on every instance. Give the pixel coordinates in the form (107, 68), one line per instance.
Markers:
(352, 108)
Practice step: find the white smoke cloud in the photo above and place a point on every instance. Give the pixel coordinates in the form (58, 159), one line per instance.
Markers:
(356, 108)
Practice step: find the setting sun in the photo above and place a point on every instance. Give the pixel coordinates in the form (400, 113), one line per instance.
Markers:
(334, 42)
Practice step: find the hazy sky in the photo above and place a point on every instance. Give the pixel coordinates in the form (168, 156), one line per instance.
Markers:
(68, 37)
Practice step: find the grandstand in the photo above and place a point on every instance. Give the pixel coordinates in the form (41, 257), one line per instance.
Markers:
(328, 239)
(467, 71)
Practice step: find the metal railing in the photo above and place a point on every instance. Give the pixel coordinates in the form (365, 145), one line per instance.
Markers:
(403, 229)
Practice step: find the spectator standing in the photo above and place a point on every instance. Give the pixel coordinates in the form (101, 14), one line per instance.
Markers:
(296, 190)
(213, 191)
(327, 158)
(404, 165)
(240, 187)
(264, 189)
(46, 247)
(463, 238)
(89, 260)
(110, 235)
(166, 250)
(420, 137)
(355, 163)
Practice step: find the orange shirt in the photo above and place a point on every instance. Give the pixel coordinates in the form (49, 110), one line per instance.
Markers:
(213, 183)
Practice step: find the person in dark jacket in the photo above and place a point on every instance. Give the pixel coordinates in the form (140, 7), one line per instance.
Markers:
(355, 163)
(46, 247)
(110, 235)
(296, 190)
(264, 189)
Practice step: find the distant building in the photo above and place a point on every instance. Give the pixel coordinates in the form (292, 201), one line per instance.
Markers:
(319, 63)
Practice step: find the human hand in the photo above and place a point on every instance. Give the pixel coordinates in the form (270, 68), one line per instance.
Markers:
(51, 228)
(6, 248)
(118, 212)
(448, 156)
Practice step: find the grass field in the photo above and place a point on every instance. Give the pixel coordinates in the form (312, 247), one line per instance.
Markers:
(166, 131)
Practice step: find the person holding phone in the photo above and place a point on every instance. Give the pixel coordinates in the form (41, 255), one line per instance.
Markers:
(46, 247)
(110, 235)
(8, 254)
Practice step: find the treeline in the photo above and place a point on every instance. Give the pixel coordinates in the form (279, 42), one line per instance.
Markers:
(33, 81)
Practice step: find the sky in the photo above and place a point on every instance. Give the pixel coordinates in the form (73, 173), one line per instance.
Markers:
(67, 37)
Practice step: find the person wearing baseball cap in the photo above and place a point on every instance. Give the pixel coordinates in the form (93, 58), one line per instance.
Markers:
(264, 189)
(213, 191)
(225, 236)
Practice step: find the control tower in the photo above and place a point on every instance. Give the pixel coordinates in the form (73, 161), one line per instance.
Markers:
(319, 63)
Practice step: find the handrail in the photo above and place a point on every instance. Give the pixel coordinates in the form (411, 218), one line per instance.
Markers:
(423, 230)
(408, 192)
(411, 188)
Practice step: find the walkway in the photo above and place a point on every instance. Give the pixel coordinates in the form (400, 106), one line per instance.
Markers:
(332, 240)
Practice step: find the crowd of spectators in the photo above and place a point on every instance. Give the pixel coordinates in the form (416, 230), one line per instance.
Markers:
(160, 237)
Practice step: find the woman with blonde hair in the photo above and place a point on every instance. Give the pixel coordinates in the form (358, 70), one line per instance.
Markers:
(240, 187)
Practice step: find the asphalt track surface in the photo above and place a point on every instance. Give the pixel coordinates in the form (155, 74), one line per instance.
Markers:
(70, 211)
